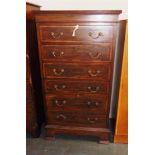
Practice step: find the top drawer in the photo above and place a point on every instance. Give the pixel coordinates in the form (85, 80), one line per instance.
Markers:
(76, 33)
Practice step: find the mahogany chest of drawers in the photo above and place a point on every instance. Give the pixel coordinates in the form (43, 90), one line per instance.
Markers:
(77, 50)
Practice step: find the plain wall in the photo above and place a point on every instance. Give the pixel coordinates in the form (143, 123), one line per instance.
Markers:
(84, 5)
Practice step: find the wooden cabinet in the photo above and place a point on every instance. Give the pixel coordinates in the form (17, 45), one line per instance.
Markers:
(121, 131)
(77, 50)
(31, 116)
(34, 101)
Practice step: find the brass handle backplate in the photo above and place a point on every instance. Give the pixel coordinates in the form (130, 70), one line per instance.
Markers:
(60, 103)
(93, 89)
(61, 116)
(57, 87)
(57, 54)
(94, 55)
(56, 36)
(92, 73)
(58, 72)
(92, 120)
(94, 35)
(89, 103)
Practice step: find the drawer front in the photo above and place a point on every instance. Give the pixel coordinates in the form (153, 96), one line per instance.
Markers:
(79, 87)
(75, 70)
(77, 52)
(73, 33)
(85, 103)
(63, 118)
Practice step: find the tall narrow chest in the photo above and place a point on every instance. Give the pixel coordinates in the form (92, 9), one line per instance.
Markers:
(77, 51)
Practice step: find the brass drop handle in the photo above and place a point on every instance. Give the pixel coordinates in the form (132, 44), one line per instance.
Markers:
(57, 54)
(96, 103)
(59, 104)
(56, 36)
(93, 35)
(89, 103)
(94, 56)
(59, 87)
(56, 72)
(93, 90)
(91, 73)
(92, 120)
(92, 103)
(61, 116)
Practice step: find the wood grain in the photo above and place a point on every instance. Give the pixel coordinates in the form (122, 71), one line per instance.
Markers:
(63, 86)
(76, 53)
(96, 104)
(78, 16)
(121, 131)
(76, 119)
(55, 33)
(73, 70)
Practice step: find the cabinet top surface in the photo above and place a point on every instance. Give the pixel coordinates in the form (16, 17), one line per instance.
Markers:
(77, 16)
(79, 12)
